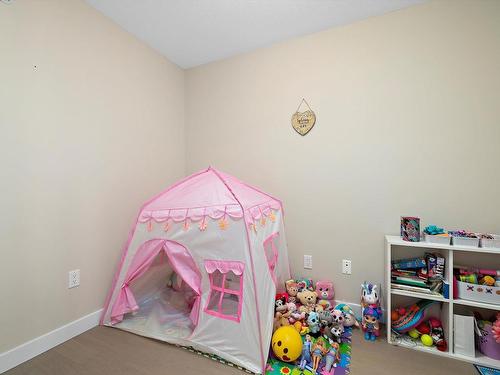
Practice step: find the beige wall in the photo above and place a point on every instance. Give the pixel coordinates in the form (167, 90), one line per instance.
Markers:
(86, 136)
(408, 115)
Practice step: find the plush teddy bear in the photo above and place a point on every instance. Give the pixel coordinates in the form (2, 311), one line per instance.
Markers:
(325, 292)
(308, 300)
(292, 289)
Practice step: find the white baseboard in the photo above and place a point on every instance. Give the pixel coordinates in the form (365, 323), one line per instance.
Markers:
(38, 345)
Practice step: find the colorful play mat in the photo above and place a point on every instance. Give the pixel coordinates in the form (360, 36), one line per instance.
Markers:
(276, 367)
(486, 370)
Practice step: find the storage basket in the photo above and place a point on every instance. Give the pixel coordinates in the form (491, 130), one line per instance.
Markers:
(491, 243)
(445, 240)
(465, 241)
(487, 344)
(479, 293)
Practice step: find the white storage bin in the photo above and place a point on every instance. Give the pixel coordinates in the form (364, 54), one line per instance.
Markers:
(480, 293)
(465, 241)
(437, 239)
(491, 244)
(463, 334)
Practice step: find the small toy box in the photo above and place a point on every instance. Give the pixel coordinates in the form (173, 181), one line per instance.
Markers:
(487, 344)
(465, 241)
(491, 243)
(445, 240)
(479, 293)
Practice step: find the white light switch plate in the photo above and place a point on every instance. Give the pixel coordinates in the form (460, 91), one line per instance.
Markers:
(308, 262)
(346, 266)
(73, 279)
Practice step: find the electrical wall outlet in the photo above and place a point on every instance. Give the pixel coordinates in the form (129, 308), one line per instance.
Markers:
(346, 266)
(308, 262)
(73, 279)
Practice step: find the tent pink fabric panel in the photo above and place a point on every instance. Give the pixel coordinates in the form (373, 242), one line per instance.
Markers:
(247, 195)
(202, 190)
(207, 189)
(181, 262)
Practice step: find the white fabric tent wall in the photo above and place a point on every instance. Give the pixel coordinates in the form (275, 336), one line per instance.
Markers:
(266, 288)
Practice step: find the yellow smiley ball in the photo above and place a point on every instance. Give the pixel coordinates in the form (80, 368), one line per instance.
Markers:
(286, 344)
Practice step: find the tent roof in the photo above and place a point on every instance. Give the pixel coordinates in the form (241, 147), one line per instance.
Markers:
(208, 192)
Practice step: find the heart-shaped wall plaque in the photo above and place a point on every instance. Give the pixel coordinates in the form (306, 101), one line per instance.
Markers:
(303, 122)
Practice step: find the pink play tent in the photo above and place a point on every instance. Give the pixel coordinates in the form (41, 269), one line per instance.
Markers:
(201, 268)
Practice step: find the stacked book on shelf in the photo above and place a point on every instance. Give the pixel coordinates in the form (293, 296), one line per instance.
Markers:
(422, 274)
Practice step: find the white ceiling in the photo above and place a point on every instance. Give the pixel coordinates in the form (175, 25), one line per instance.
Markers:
(195, 32)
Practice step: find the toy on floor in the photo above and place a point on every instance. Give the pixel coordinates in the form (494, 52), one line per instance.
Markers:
(295, 314)
(337, 317)
(332, 357)
(280, 302)
(305, 284)
(325, 292)
(280, 321)
(325, 318)
(313, 324)
(290, 309)
(308, 300)
(292, 289)
(371, 310)
(318, 351)
(349, 317)
(305, 358)
(281, 311)
(336, 331)
(370, 323)
(369, 295)
(286, 344)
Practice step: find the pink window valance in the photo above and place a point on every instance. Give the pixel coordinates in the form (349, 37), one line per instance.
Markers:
(224, 266)
(233, 211)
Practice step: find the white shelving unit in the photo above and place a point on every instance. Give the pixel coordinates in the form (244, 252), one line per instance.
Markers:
(405, 249)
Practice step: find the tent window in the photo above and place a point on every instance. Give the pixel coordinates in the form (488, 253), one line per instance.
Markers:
(271, 252)
(226, 289)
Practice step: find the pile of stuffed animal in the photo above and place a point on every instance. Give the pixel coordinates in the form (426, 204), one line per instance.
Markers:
(312, 310)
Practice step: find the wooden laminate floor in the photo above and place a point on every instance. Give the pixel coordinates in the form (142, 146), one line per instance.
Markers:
(110, 351)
